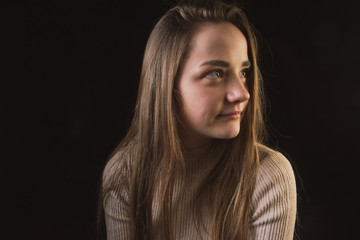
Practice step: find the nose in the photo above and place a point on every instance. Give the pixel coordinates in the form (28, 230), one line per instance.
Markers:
(237, 90)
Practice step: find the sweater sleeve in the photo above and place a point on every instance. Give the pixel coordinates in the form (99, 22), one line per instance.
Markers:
(274, 200)
(117, 211)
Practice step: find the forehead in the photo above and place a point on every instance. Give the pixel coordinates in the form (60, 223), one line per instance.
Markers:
(218, 39)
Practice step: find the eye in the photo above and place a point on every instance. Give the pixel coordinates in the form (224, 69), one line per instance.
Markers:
(215, 74)
(244, 73)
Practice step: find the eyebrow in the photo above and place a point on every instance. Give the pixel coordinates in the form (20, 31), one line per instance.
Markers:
(246, 64)
(221, 63)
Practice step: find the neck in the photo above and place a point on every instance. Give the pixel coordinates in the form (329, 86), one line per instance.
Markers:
(192, 141)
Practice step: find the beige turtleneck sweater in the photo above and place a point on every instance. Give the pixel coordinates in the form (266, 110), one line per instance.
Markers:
(274, 201)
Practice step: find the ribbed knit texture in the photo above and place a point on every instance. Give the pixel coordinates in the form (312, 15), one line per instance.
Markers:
(274, 201)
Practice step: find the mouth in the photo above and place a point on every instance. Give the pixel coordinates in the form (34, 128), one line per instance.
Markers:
(230, 115)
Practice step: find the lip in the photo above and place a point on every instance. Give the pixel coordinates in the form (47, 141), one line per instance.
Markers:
(231, 115)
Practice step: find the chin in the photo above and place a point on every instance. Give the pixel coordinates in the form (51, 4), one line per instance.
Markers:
(230, 136)
(231, 133)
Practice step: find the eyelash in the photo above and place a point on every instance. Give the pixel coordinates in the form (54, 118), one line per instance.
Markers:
(220, 73)
(244, 73)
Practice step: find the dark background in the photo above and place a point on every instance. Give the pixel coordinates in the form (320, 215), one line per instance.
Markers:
(68, 88)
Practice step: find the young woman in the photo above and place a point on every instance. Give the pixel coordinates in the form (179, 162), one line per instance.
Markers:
(193, 165)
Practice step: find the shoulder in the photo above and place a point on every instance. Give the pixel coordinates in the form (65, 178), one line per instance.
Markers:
(115, 191)
(275, 168)
(274, 195)
(117, 167)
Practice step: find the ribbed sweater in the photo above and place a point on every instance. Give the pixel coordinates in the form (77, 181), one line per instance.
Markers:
(273, 202)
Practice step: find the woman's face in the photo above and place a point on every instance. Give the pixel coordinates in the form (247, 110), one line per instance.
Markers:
(212, 84)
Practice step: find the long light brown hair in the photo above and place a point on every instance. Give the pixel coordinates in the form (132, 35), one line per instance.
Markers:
(153, 147)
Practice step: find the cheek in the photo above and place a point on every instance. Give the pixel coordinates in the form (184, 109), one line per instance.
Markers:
(200, 101)
(244, 106)
(200, 106)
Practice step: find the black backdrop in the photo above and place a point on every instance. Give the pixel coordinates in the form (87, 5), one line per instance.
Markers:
(68, 89)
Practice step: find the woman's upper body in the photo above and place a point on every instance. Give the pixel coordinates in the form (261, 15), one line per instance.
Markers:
(193, 161)
(273, 202)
